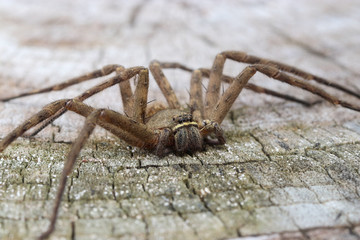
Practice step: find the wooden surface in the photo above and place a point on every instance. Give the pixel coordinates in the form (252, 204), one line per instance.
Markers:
(287, 171)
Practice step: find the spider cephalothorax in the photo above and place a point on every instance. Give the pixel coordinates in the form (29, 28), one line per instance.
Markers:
(171, 129)
(187, 135)
(179, 133)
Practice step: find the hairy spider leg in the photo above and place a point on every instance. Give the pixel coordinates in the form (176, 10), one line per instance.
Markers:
(222, 107)
(258, 89)
(126, 93)
(86, 131)
(122, 74)
(135, 104)
(227, 79)
(42, 115)
(213, 91)
(104, 117)
(140, 97)
(245, 58)
(275, 73)
(136, 134)
(164, 85)
(227, 99)
(196, 96)
(106, 70)
(118, 124)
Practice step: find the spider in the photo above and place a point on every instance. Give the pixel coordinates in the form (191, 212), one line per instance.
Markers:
(169, 129)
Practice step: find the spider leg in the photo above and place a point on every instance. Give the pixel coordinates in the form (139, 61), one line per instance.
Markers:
(213, 90)
(274, 70)
(86, 131)
(275, 73)
(197, 107)
(168, 65)
(212, 126)
(140, 97)
(229, 96)
(258, 89)
(126, 95)
(104, 118)
(106, 70)
(134, 133)
(222, 107)
(146, 138)
(243, 57)
(45, 123)
(45, 113)
(227, 79)
(164, 85)
(161, 148)
(196, 98)
(122, 76)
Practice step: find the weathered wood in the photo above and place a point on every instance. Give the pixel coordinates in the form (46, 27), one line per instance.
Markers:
(287, 171)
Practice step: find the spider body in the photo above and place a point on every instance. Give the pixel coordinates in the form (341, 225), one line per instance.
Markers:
(179, 133)
(170, 129)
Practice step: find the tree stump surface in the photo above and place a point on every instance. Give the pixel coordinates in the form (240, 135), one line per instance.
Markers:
(286, 172)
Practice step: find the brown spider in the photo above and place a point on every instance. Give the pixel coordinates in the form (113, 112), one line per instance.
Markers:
(166, 129)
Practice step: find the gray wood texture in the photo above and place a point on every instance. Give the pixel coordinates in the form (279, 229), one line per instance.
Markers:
(286, 172)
